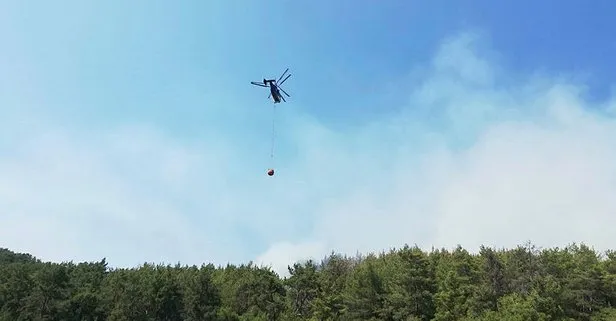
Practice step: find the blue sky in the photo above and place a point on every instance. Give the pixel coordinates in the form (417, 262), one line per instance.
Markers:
(131, 130)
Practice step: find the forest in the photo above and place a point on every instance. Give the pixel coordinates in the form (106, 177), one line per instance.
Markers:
(523, 283)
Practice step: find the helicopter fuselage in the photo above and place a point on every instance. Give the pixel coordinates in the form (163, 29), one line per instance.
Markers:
(273, 90)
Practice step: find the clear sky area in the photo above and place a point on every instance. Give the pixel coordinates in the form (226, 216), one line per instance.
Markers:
(130, 130)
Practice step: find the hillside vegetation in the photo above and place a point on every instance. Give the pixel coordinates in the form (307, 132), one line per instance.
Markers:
(524, 283)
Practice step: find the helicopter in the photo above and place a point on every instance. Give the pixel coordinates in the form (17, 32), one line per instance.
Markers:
(274, 86)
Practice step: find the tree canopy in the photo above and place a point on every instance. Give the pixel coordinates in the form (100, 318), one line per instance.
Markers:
(523, 283)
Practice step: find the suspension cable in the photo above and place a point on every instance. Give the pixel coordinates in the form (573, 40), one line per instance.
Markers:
(273, 132)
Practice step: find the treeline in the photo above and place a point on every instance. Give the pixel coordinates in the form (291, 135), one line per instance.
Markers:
(524, 283)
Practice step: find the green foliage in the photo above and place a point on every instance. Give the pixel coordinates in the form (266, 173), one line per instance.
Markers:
(303, 288)
(524, 283)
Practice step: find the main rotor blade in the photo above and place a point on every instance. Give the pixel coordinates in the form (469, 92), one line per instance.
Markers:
(281, 96)
(284, 92)
(258, 84)
(282, 75)
(280, 83)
